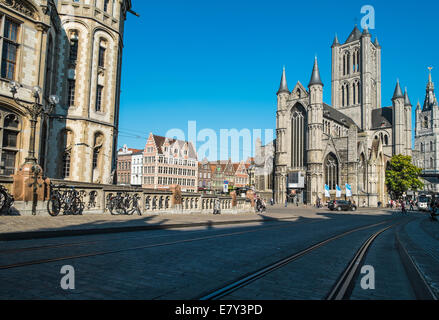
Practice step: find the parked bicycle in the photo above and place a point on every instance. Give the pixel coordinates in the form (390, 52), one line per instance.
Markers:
(65, 199)
(124, 204)
(6, 200)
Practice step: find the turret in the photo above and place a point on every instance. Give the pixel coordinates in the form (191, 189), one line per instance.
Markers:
(399, 139)
(283, 92)
(408, 124)
(315, 135)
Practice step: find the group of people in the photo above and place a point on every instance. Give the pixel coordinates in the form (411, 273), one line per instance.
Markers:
(261, 205)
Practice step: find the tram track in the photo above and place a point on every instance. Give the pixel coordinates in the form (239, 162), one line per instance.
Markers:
(100, 253)
(343, 287)
(83, 243)
(245, 280)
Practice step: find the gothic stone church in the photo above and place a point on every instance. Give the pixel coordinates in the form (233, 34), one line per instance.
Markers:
(348, 142)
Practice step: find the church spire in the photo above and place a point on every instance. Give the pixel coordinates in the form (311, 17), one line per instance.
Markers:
(283, 84)
(398, 92)
(430, 98)
(315, 77)
(335, 43)
(406, 98)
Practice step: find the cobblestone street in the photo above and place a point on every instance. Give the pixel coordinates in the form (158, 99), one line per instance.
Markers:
(187, 262)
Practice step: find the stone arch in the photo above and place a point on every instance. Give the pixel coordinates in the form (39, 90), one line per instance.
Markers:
(332, 171)
(298, 116)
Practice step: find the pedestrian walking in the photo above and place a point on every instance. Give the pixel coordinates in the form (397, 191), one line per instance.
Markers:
(403, 208)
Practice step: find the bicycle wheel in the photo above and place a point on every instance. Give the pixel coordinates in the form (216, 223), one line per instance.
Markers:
(116, 208)
(3, 200)
(54, 206)
(77, 207)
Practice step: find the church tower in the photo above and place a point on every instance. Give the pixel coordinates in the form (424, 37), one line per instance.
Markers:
(315, 136)
(356, 77)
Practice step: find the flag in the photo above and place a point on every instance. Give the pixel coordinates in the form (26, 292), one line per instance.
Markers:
(338, 194)
(348, 190)
(327, 194)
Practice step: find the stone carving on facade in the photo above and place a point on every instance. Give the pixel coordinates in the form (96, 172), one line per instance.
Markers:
(22, 7)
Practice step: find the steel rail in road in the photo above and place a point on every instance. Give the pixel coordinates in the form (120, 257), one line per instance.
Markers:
(93, 254)
(417, 280)
(82, 243)
(345, 283)
(343, 287)
(247, 279)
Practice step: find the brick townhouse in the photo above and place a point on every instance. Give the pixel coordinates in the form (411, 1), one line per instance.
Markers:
(124, 164)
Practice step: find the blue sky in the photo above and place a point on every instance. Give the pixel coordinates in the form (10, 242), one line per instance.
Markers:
(219, 62)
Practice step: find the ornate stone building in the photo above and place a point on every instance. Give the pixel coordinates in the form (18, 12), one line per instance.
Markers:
(71, 49)
(88, 60)
(426, 153)
(348, 142)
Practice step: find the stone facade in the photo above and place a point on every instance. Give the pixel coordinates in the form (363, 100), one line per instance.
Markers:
(72, 49)
(426, 153)
(349, 142)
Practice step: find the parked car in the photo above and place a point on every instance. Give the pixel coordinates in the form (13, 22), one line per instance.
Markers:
(341, 205)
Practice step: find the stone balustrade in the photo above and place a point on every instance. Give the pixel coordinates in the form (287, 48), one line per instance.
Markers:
(96, 199)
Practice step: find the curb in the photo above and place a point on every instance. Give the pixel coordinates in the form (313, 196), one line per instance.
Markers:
(14, 236)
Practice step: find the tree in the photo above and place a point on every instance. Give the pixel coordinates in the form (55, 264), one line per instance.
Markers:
(402, 175)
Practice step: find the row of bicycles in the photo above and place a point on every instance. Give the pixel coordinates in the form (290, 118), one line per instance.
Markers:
(66, 200)
(123, 204)
(69, 201)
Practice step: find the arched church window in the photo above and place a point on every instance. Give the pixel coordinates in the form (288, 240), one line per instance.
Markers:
(331, 171)
(425, 122)
(422, 147)
(386, 140)
(298, 136)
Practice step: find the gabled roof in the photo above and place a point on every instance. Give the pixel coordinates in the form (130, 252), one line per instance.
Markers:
(333, 114)
(382, 118)
(160, 141)
(354, 36)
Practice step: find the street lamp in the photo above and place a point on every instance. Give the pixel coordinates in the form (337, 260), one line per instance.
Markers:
(35, 110)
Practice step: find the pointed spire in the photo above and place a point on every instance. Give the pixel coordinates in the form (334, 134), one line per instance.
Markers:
(418, 106)
(406, 98)
(315, 77)
(283, 84)
(376, 43)
(335, 43)
(398, 92)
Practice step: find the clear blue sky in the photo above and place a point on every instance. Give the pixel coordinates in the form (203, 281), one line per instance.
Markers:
(219, 62)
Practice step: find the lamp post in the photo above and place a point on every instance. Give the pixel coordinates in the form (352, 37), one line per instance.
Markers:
(29, 181)
(35, 110)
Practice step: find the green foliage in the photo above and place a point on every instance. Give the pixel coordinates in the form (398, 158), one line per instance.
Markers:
(402, 175)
